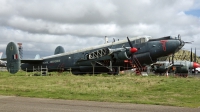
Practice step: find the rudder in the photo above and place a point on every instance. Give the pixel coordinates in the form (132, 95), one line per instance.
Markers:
(1, 53)
(13, 59)
(59, 50)
(37, 56)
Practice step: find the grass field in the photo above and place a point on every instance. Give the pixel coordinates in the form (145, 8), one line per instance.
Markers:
(157, 90)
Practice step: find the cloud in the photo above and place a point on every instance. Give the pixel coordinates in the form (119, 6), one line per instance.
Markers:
(76, 24)
(196, 5)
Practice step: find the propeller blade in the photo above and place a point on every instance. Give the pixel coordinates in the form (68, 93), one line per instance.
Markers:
(191, 55)
(132, 50)
(173, 58)
(195, 56)
(129, 43)
(188, 42)
(196, 65)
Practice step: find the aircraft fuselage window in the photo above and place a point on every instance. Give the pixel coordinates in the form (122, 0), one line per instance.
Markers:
(133, 42)
(137, 41)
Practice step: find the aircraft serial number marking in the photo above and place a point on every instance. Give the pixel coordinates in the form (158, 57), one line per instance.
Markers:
(53, 61)
(46, 62)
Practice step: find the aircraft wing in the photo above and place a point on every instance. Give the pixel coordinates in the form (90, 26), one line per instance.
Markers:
(4, 59)
(28, 60)
(178, 65)
(157, 63)
(106, 54)
(1, 65)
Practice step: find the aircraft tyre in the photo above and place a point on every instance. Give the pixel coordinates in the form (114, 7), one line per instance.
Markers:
(196, 72)
(114, 72)
(182, 75)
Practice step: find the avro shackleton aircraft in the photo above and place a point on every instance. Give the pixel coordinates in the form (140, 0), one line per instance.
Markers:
(106, 58)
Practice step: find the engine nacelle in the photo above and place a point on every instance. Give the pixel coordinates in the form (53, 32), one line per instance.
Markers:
(121, 55)
(181, 69)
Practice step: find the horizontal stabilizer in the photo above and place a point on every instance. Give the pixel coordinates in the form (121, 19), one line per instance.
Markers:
(37, 56)
(1, 53)
(32, 61)
(36, 60)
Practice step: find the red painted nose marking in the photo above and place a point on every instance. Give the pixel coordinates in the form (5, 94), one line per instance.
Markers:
(163, 42)
(133, 50)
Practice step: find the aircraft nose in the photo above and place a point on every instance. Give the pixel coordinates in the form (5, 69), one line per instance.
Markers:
(179, 44)
(182, 43)
(196, 65)
(174, 45)
(164, 47)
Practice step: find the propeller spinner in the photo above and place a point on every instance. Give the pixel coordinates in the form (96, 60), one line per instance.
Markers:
(196, 65)
(132, 49)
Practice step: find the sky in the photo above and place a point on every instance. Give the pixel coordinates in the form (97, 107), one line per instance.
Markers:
(42, 25)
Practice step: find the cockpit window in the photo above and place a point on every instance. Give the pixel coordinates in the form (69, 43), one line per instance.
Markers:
(137, 41)
(142, 40)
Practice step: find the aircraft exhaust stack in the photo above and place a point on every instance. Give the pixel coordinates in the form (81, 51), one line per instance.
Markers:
(106, 39)
(20, 50)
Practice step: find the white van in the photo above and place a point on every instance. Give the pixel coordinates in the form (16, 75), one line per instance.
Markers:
(197, 70)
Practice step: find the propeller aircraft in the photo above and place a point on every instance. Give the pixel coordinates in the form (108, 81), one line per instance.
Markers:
(179, 67)
(105, 58)
(2, 62)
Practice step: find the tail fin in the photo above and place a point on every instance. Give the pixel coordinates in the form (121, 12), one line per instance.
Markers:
(13, 59)
(1, 53)
(37, 56)
(59, 50)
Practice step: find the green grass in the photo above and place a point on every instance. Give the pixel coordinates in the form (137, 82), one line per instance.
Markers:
(157, 90)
